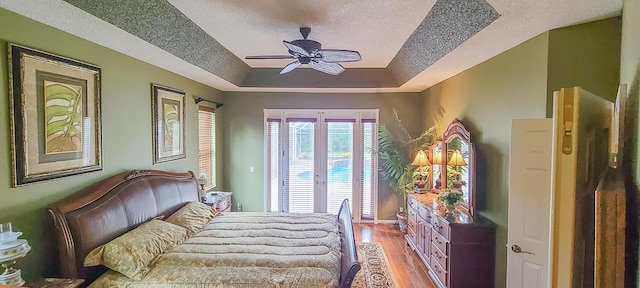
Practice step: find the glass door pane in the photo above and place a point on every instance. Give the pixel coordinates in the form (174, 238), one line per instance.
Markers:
(339, 164)
(301, 172)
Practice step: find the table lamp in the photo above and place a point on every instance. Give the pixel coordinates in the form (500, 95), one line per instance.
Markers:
(11, 248)
(457, 159)
(437, 158)
(202, 180)
(420, 161)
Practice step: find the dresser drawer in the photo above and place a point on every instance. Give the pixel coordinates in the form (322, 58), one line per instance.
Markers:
(439, 257)
(411, 232)
(413, 215)
(412, 225)
(441, 227)
(424, 213)
(223, 205)
(439, 271)
(413, 203)
(440, 242)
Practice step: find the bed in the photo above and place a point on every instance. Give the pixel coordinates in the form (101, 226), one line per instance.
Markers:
(235, 249)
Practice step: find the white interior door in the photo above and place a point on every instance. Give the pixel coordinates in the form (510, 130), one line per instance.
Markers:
(530, 182)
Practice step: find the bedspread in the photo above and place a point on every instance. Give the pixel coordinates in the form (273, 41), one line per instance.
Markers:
(248, 249)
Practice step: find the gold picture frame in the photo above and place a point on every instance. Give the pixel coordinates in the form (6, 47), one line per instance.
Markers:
(168, 117)
(55, 116)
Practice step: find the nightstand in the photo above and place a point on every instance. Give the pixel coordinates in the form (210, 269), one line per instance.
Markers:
(221, 201)
(56, 283)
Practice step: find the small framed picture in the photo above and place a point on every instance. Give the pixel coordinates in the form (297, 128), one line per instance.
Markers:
(54, 114)
(168, 123)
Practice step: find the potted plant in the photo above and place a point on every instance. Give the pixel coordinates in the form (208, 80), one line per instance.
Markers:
(395, 151)
(451, 199)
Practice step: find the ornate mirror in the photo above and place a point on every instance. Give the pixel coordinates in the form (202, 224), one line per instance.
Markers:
(460, 163)
(435, 156)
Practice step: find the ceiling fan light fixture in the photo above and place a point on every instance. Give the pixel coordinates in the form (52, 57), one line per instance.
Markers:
(310, 52)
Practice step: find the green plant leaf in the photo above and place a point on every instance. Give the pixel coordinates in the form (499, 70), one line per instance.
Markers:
(395, 152)
(63, 114)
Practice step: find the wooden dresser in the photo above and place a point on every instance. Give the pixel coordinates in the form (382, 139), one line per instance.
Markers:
(459, 250)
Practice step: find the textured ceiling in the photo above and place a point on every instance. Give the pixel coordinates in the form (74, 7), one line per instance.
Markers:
(405, 45)
(249, 27)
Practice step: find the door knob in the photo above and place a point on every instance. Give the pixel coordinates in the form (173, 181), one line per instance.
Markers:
(517, 249)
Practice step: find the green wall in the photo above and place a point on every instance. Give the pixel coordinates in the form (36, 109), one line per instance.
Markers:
(486, 97)
(244, 135)
(586, 55)
(517, 84)
(126, 124)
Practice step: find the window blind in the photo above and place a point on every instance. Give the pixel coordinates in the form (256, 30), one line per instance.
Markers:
(273, 164)
(367, 189)
(207, 143)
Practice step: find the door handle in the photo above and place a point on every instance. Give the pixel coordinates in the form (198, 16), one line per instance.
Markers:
(517, 249)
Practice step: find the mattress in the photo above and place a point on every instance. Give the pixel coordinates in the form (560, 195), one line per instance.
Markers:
(248, 249)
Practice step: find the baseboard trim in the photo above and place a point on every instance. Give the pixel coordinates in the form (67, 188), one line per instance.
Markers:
(387, 222)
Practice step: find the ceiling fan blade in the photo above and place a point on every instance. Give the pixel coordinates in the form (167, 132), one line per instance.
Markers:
(295, 48)
(334, 55)
(290, 67)
(329, 68)
(271, 57)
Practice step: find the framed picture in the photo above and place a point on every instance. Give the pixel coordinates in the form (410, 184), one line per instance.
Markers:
(54, 114)
(168, 123)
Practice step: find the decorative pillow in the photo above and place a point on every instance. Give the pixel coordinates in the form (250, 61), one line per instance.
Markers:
(94, 258)
(193, 216)
(132, 252)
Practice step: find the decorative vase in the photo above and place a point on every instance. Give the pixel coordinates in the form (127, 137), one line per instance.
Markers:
(402, 221)
(450, 208)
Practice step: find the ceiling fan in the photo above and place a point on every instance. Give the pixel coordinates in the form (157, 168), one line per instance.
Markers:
(307, 51)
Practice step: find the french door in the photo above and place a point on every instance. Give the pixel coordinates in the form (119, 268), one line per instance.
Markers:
(317, 158)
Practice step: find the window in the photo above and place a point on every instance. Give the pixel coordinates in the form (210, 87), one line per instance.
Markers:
(207, 143)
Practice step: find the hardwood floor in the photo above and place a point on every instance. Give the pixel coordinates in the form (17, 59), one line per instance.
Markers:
(406, 266)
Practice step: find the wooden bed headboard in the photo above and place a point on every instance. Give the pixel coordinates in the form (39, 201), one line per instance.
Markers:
(108, 209)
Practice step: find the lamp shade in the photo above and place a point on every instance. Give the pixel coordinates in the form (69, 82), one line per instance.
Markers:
(421, 159)
(437, 157)
(202, 179)
(457, 159)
